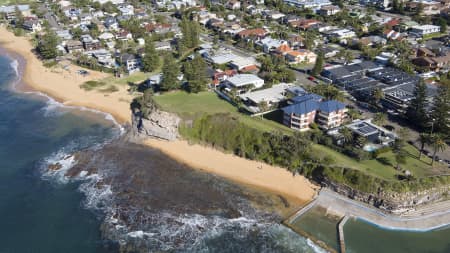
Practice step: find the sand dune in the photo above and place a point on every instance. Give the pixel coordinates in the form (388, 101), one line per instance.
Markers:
(64, 86)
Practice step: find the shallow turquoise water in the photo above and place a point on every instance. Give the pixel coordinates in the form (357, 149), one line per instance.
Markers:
(40, 215)
(363, 237)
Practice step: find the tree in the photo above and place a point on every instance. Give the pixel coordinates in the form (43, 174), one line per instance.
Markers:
(170, 72)
(377, 96)
(47, 45)
(346, 55)
(191, 33)
(442, 23)
(400, 158)
(195, 74)
(438, 145)
(416, 112)
(150, 60)
(380, 118)
(441, 109)
(19, 18)
(423, 139)
(347, 135)
(318, 66)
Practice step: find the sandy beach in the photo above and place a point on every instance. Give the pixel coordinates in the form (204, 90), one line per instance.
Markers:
(63, 85)
(238, 169)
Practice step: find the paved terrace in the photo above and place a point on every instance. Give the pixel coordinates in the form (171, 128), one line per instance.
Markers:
(423, 219)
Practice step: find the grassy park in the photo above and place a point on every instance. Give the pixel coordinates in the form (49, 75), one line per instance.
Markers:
(188, 105)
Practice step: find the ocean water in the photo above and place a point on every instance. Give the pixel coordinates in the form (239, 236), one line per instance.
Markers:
(39, 215)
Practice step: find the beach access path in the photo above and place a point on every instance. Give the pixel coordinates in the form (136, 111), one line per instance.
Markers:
(426, 218)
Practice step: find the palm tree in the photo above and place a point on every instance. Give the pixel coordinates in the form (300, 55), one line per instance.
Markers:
(424, 138)
(347, 134)
(438, 145)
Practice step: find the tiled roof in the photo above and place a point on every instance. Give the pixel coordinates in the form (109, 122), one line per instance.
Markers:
(331, 106)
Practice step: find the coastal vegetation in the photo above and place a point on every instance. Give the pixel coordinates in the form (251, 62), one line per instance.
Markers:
(301, 155)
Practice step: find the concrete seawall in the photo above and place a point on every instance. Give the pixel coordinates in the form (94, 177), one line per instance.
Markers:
(425, 219)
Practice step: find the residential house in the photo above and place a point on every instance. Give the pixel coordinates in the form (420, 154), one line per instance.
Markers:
(124, 35)
(428, 7)
(308, 4)
(309, 108)
(158, 28)
(342, 34)
(130, 62)
(328, 10)
(85, 19)
(10, 11)
(371, 132)
(433, 62)
(32, 25)
(269, 44)
(295, 41)
(64, 34)
(111, 23)
(304, 24)
(106, 36)
(392, 35)
(273, 15)
(220, 75)
(382, 4)
(74, 46)
(242, 83)
(89, 43)
(104, 58)
(266, 99)
(162, 46)
(372, 40)
(233, 5)
(241, 64)
(301, 56)
(331, 114)
(254, 33)
(422, 30)
(126, 9)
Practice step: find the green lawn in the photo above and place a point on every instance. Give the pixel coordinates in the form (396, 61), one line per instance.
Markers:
(419, 168)
(135, 78)
(188, 105)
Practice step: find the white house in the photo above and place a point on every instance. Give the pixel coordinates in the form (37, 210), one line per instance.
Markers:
(233, 5)
(308, 4)
(242, 83)
(421, 30)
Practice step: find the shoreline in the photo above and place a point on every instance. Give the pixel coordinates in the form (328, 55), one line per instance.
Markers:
(64, 87)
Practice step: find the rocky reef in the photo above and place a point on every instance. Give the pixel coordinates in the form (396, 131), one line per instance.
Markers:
(392, 202)
(156, 124)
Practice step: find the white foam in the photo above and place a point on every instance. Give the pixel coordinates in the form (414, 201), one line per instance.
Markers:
(15, 65)
(315, 247)
(54, 107)
(64, 161)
